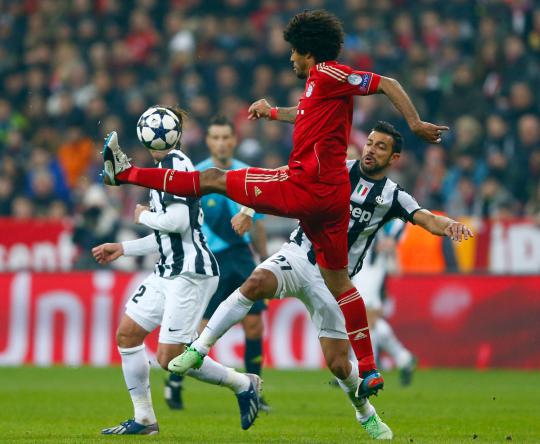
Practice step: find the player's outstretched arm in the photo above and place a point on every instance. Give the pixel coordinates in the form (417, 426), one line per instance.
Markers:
(397, 95)
(442, 225)
(106, 253)
(261, 108)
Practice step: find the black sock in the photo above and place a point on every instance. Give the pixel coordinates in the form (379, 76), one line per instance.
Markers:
(178, 379)
(253, 356)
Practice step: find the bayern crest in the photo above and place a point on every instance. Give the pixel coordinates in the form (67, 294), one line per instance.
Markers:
(354, 79)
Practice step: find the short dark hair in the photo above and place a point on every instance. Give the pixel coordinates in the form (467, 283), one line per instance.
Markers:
(220, 120)
(387, 128)
(317, 32)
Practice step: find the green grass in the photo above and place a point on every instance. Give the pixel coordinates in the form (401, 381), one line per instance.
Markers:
(62, 405)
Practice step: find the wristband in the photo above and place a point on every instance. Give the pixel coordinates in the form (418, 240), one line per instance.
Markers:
(273, 113)
(247, 211)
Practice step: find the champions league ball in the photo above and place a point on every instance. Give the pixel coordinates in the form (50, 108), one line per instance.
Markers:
(158, 129)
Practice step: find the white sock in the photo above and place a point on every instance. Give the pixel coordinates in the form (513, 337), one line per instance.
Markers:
(349, 386)
(136, 370)
(215, 373)
(387, 341)
(230, 311)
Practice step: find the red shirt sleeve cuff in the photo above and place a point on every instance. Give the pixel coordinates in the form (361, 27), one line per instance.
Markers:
(374, 85)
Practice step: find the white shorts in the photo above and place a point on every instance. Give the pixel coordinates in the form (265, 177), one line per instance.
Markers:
(299, 278)
(176, 304)
(369, 282)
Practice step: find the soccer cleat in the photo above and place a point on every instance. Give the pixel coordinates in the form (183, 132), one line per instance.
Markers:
(130, 427)
(375, 427)
(114, 160)
(406, 372)
(249, 401)
(173, 395)
(191, 358)
(371, 383)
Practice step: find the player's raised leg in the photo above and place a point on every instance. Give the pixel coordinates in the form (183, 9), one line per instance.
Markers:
(118, 170)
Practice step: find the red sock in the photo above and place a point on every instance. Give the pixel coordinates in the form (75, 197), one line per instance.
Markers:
(354, 311)
(181, 183)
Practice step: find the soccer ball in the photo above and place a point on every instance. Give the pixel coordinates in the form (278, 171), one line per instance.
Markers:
(158, 128)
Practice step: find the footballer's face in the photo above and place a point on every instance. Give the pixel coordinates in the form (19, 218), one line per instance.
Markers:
(377, 154)
(302, 63)
(221, 142)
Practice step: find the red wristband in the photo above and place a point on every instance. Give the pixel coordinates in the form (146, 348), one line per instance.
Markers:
(273, 113)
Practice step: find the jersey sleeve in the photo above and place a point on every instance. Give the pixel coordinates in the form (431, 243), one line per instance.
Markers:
(405, 206)
(340, 80)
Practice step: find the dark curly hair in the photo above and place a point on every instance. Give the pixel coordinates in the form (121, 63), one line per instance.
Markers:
(387, 128)
(318, 32)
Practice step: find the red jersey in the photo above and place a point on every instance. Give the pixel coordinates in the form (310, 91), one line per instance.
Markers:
(324, 119)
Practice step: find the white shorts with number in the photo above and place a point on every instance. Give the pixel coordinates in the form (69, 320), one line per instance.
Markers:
(299, 278)
(369, 282)
(176, 304)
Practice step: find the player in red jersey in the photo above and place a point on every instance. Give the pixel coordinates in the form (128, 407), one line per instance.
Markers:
(314, 187)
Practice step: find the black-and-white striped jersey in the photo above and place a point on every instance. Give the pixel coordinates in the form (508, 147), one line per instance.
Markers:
(187, 251)
(373, 203)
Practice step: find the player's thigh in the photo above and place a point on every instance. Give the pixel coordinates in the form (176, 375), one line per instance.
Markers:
(369, 283)
(289, 268)
(186, 298)
(270, 192)
(329, 238)
(145, 306)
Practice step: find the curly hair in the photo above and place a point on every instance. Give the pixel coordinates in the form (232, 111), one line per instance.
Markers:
(318, 32)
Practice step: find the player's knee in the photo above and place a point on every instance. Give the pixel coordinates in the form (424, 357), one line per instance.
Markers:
(163, 360)
(124, 339)
(213, 180)
(256, 286)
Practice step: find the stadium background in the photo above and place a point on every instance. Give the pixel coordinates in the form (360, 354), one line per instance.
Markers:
(70, 72)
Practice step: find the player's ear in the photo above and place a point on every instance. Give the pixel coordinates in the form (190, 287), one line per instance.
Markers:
(394, 158)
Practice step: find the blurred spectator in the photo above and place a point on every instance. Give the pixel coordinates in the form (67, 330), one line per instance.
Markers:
(97, 223)
(492, 198)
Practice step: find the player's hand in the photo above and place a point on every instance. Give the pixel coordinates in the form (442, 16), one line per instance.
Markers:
(241, 223)
(106, 253)
(137, 213)
(259, 109)
(458, 231)
(429, 132)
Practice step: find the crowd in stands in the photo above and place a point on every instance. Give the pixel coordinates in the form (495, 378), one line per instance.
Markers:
(70, 72)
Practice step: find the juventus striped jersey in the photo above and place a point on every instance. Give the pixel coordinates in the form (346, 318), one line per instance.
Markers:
(184, 251)
(373, 203)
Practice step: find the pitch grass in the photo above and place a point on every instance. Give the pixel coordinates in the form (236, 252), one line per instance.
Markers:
(61, 405)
